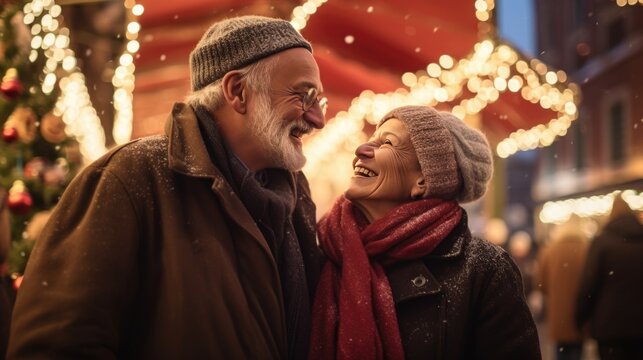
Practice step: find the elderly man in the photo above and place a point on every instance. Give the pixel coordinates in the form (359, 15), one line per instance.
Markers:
(199, 243)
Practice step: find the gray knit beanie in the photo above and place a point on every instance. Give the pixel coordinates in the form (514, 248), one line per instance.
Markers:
(455, 159)
(237, 42)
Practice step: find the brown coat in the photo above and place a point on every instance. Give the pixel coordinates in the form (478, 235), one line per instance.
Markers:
(558, 276)
(464, 301)
(151, 255)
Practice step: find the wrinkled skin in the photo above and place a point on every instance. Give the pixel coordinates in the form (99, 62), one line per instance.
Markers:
(277, 120)
(386, 171)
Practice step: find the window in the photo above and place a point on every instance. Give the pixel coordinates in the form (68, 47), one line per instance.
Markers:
(580, 12)
(579, 145)
(615, 32)
(616, 123)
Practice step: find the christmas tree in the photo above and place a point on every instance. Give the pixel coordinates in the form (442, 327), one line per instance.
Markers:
(37, 158)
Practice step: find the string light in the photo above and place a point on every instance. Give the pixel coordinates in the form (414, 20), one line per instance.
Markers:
(301, 13)
(81, 120)
(123, 79)
(52, 41)
(623, 3)
(559, 211)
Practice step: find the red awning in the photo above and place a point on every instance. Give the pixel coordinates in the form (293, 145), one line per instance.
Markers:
(359, 45)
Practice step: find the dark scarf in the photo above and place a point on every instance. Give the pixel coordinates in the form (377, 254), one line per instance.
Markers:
(270, 197)
(354, 312)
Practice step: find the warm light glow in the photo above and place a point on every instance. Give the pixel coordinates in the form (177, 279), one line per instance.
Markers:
(74, 104)
(300, 14)
(433, 70)
(137, 10)
(622, 3)
(446, 61)
(133, 27)
(560, 211)
(409, 79)
(80, 117)
(123, 79)
(551, 77)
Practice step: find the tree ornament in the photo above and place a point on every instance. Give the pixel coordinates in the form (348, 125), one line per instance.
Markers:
(9, 134)
(54, 175)
(24, 120)
(52, 128)
(17, 282)
(11, 87)
(34, 168)
(63, 164)
(19, 200)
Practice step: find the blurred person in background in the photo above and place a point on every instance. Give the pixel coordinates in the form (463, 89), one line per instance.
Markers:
(405, 279)
(522, 253)
(198, 243)
(558, 273)
(611, 290)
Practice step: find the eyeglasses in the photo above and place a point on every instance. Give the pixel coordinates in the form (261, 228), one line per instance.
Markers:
(311, 97)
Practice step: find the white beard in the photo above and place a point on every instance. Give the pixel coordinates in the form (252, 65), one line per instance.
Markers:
(272, 135)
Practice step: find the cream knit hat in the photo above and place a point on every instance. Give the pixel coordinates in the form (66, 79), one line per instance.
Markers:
(237, 42)
(455, 159)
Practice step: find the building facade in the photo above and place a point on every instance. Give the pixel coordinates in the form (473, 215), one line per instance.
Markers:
(599, 44)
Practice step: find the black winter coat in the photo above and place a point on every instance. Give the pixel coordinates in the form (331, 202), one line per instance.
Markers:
(611, 290)
(463, 301)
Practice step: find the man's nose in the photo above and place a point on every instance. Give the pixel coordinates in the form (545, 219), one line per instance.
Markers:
(365, 150)
(315, 117)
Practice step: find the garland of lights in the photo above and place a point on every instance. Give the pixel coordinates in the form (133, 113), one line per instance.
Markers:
(559, 211)
(489, 71)
(74, 105)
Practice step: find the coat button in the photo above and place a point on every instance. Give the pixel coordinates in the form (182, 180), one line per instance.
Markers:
(419, 281)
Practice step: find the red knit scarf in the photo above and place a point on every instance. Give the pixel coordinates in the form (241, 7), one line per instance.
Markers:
(354, 312)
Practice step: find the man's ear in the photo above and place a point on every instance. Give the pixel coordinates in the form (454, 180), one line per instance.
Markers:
(234, 91)
(419, 188)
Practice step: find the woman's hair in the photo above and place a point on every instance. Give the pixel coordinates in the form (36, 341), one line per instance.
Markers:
(256, 75)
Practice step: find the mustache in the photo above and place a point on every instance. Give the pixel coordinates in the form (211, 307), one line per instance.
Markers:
(300, 128)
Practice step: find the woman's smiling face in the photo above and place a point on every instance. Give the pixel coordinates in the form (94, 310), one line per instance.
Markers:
(386, 171)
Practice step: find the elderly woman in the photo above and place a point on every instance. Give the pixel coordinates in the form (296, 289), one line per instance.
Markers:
(404, 277)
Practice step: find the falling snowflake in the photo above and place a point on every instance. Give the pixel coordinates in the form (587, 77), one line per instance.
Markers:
(163, 57)
(369, 10)
(349, 39)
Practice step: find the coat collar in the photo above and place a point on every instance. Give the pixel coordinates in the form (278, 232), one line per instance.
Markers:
(413, 279)
(188, 155)
(451, 246)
